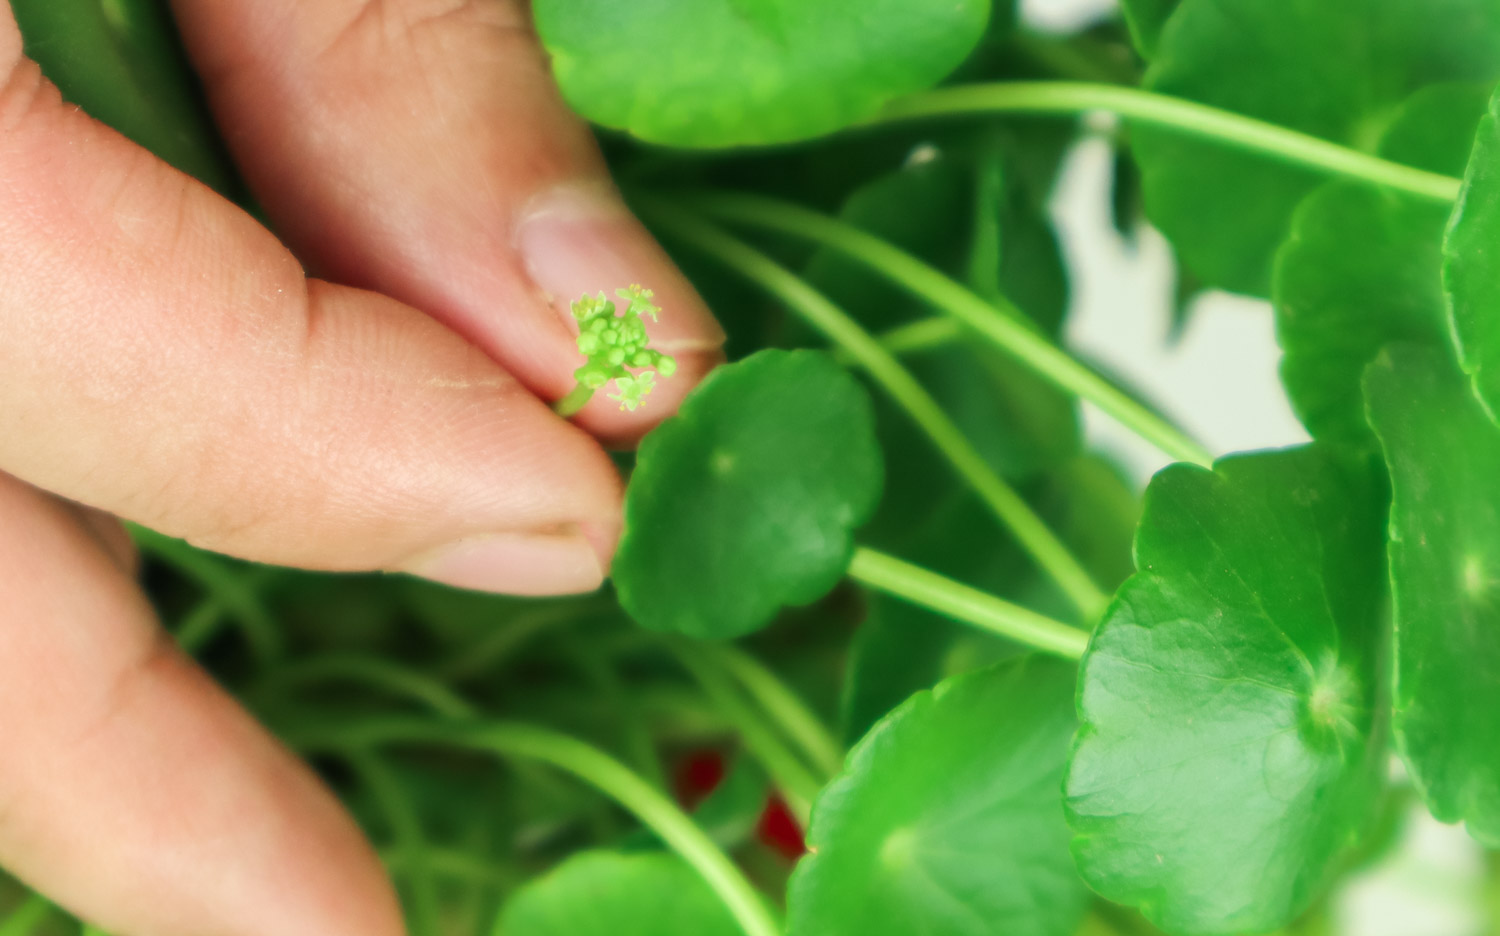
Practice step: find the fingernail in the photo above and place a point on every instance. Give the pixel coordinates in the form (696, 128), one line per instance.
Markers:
(516, 564)
(580, 239)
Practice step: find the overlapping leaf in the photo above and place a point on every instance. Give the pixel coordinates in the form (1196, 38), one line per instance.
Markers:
(1362, 268)
(1444, 459)
(745, 501)
(1471, 271)
(608, 894)
(1331, 68)
(948, 819)
(733, 72)
(1231, 701)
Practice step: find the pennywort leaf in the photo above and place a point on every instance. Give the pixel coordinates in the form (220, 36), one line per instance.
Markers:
(1362, 268)
(947, 818)
(1229, 751)
(1444, 459)
(1331, 68)
(608, 894)
(746, 500)
(711, 73)
(1471, 271)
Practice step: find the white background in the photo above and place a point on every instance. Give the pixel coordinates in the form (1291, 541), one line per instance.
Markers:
(1219, 382)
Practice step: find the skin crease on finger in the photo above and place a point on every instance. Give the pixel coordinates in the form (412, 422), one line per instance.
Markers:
(265, 415)
(420, 148)
(134, 791)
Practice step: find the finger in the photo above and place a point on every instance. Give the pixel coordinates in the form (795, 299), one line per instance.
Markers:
(164, 359)
(420, 148)
(134, 791)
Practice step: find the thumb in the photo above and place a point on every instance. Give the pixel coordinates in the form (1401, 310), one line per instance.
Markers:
(420, 148)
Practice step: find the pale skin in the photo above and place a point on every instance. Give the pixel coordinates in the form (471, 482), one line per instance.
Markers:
(163, 358)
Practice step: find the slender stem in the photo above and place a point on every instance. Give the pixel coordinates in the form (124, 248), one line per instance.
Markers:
(784, 706)
(793, 780)
(576, 400)
(201, 625)
(222, 582)
(510, 740)
(1001, 323)
(1013, 512)
(27, 917)
(1210, 123)
(607, 689)
(449, 862)
(406, 830)
(923, 334)
(376, 672)
(969, 605)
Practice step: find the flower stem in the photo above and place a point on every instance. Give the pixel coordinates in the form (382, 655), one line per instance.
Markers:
(1014, 513)
(576, 400)
(999, 322)
(528, 742)
(1201, 120)
(792, 779)
(969, 605)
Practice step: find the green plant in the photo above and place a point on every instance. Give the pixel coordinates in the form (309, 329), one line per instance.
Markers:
(1001, 693)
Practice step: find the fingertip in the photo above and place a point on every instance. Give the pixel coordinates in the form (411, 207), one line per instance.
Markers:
(579, 239)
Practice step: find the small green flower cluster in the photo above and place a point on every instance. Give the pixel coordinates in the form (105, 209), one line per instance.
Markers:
(615, 342)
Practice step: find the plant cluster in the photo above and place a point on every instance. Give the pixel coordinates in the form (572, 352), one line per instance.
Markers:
(870, 572)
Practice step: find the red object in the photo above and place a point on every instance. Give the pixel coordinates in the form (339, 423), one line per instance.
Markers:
(698, 775)
(779, 831)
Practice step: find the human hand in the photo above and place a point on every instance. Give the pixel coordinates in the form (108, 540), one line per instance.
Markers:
(164, 359)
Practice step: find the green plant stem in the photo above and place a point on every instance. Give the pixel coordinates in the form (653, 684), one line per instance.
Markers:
(1014, 513)
(406, 830)
(1200, 120)
(28, 916)
(576, 400)
(635, 737)
(375, 672)
(450, 863)
(968, 605)
(222, 583)
(784, 707)
(999, 322)
(200, 626)
(791, 777)
(510, 740)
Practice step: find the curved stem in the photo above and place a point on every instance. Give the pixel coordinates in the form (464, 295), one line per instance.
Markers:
(1001, 323)
(784, 706)
(406, 830)
(1209, 123)
(576, 400)
(793, 780)
(450, 863)
(589, 764)
(969, 605)
(27, 917)
(375, 672)
(1013, 512)
(221, 582)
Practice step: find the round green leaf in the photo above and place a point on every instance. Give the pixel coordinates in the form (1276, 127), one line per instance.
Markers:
(1362, 268)
(732, 72)
(608, 894)
(745, 500)
(1230, 700)
(1444, 459)
(1146, 19)
(1332, 68)
(1471, 268)
(947, 818)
